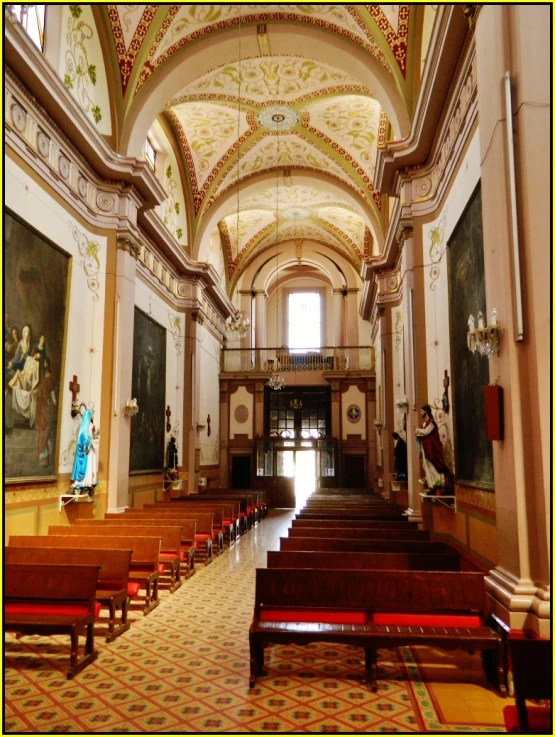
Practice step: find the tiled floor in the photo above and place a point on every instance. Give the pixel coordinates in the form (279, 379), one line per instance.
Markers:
(185, 668)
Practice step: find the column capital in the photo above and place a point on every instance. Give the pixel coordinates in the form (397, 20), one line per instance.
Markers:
(403, 233)
(129, 244)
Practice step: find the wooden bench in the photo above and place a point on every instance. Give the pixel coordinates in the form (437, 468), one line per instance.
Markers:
(187, 542)
(358, 533)
(339, 545)
(364, 561)
(383, 514)
(170, 542)
(247, 505)
(227, 524)
(113, 574)
(202, 541)
(373, 524)
(215, 509)
(145, 559)
(53, 600)
(373, 610)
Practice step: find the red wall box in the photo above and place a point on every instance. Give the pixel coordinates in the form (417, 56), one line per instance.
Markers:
(493, 396)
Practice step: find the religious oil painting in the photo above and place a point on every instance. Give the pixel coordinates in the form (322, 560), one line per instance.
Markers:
(36, 277)
(149, 389)
(467, 296)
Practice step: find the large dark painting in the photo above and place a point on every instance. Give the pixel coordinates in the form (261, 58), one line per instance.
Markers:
(35, 283)
(467, 296)
(149, 388)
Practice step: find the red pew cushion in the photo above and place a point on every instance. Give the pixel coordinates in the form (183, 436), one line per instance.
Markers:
(427, 620)
(329, 616)
(161, 569)
(133, 588)
(27, 607)
(539, 719)
(202, 536)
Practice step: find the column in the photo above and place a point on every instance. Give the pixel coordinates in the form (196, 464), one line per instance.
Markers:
(406, 243)
(510, 40)
(260, 327)
(338, 318)
(350, 312)
(120, 425)
(224, 432)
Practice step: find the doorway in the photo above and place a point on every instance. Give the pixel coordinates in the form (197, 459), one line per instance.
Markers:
(296, 476)
(241, 472)
(354, 471)
(305, 476)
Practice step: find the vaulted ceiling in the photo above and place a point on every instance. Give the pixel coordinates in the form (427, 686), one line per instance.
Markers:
(276, 112)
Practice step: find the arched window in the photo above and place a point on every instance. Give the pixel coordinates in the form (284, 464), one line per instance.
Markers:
(304, 322)
(31, 18)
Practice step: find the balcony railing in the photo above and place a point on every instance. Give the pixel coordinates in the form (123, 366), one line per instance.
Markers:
(256, 360)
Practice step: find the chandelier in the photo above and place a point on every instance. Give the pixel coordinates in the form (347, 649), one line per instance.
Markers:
(238, 326)
(276, 382)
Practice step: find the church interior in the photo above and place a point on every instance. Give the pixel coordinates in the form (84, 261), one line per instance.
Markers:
(268, 270)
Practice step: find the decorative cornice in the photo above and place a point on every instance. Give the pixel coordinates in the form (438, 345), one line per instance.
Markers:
(448, 36)
(198, 317)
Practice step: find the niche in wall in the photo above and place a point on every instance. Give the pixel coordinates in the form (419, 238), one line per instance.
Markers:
(467, 295)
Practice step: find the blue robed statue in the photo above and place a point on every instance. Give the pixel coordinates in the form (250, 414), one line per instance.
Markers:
(85, 465)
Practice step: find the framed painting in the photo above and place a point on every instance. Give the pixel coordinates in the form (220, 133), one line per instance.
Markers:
(36, 275)
(467, 295)
(149, 388)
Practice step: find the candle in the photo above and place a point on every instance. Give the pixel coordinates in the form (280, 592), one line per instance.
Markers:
(480, 321)
(494, 317)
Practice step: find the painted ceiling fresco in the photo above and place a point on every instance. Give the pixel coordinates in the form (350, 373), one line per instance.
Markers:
(251, 117)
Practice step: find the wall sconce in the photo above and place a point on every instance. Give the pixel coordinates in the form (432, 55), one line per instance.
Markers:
(296, 404)
(200, 427)
(130, 408)
(402, 403)
(483, 339)
(378, 424)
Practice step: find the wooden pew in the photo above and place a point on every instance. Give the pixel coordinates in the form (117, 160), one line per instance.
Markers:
(53, 600)
(202, 540)
(216, 509)
(113, 574)
(363, 561)
(369, 546)
(145, 560)
(187, 542)
(403, 524)
(373, 610)
(170, 542)
(354, 514)
(247, 504)
(229, 513)
(357, 533)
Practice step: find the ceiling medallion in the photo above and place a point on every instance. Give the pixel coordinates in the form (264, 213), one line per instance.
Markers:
(278, 118)
(296, 213)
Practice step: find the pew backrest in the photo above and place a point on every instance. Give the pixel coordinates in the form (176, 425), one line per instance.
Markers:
(364, 561)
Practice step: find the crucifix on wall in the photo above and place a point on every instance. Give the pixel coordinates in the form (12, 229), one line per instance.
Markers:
(74, 388)
(168, 415)
(445, 398)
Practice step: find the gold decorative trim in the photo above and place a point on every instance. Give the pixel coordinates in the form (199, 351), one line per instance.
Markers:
(476, 498)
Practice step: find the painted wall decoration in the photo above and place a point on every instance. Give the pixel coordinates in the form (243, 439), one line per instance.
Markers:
(353, 413)
(241, 413)
(149, 388)
(467, 295)
(36, 285)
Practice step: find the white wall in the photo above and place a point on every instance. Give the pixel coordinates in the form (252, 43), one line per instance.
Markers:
(208, 354)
